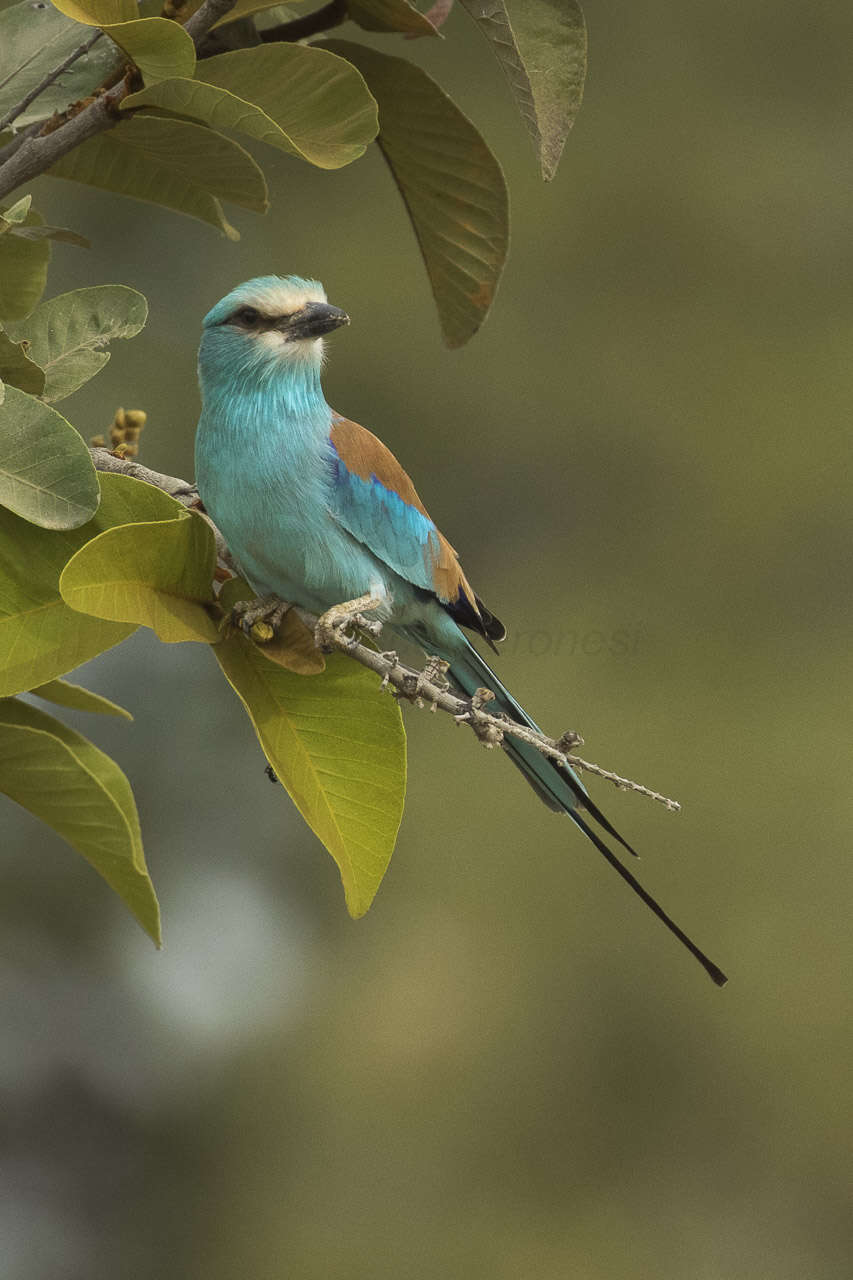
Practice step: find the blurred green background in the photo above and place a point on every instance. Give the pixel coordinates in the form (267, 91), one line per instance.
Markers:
(508, 1069)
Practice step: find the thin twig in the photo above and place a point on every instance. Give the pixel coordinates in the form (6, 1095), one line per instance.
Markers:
(20, 107)
(339, 629)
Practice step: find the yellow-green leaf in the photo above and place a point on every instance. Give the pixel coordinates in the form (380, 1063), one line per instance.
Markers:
(293, 647)
(390, 15)
(63, 779)
(158, 574)
(18, 369)
(305, 101)
(158, 47)
(452, 185)
(75, 697)
(68, 333)
(338, 746)
(46, 472)
(23, 271)
(174, 163)
(41, 637)
(541, 47)
(95, 13)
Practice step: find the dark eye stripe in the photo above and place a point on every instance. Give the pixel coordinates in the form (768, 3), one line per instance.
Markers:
(250, 318)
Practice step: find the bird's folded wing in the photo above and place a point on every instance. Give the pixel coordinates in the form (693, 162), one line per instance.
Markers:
(377, 503)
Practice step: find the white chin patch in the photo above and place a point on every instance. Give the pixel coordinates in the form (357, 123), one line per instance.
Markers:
(300, 350)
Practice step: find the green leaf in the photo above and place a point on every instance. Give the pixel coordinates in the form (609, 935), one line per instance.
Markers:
(40, 636)
(293, 647)
(63, 779)
(66, 694)
(159, 574)
(97, 12)
(157, 46)
(541, 47)
(23, 271)
(15, 213)
(46, 472)
(305, 101)
(174, 163)
(451, 183)
(68, 333)
(390, 15)
(51, 233)
(33, 41)
(338, 746)
(18, 369)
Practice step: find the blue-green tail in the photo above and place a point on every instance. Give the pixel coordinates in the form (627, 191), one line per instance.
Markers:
(560, 788)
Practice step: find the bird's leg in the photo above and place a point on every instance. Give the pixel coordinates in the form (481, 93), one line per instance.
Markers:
(259, 618)
(343, 619)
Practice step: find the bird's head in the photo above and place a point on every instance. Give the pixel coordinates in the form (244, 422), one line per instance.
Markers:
(268, 325)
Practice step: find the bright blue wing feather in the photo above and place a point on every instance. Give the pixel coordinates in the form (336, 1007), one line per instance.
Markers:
(396, 532)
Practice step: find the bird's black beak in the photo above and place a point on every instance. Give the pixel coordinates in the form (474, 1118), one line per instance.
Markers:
(313, 320)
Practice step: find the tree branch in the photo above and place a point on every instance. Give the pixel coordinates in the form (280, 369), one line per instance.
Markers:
(38, 153)
(339, 627)
(310, 24)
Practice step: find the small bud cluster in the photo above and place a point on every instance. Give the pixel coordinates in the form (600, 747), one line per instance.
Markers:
(124, 433)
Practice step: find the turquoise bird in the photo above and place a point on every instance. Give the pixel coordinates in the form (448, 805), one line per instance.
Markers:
(318, 512)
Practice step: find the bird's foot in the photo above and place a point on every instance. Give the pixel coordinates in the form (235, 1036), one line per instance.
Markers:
(343, 620)
(261, 618)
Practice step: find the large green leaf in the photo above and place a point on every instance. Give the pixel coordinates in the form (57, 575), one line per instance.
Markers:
(17, 369)
(97, 12)
(74, 696)
(159, 574)
(305, 101)
(175, 163)
(68, 333)
(33, 41)
(23, 271)
(41, 637)
(541, 47)
(158, 46)
(390, 15)
(64, 779)
(452, 185)
(338, 746)
(46, 472)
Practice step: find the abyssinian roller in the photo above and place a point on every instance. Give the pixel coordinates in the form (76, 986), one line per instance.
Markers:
(318, 512)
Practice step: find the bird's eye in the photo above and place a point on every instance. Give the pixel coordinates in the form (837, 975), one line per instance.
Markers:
(248, 315)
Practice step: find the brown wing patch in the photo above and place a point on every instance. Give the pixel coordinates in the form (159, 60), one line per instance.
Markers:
(366, 456)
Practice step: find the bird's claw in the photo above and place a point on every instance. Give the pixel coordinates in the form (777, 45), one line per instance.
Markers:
(342, 621)
(260, 618)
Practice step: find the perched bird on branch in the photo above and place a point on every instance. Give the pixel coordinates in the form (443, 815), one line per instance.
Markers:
(318, 512)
